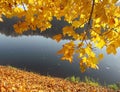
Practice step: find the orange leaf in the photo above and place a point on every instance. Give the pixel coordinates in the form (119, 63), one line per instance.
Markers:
(100, 56)
(1, 20)
(57, 37)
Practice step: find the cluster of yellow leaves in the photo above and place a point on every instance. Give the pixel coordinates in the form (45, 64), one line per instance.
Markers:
(98, 40)
(102, 18)
(88, 57)
(67, 51)
(68, 30)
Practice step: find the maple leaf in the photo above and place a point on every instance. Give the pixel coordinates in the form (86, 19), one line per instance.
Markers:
(100, 56)
(111, 49)
(100, 43)
(111, 22)
(31, 1)
(1, 20)
(67, 51)
(57, 37)
(68, 30)
(76, 24)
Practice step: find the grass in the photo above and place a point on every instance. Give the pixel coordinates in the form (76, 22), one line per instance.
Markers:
(115, 86)
(87, 80)
(73, 79)
(93, 82)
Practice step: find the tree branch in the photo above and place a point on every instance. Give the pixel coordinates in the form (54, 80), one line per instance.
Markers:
(23, 6)
(93, 4)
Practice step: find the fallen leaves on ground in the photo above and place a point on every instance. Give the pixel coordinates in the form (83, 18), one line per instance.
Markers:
(15, 80)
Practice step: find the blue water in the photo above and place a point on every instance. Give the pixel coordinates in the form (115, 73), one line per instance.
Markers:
(38, 54)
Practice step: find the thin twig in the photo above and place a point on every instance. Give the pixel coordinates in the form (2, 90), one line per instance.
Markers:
(23, 6)
(93, 4)
(85, 34)
(90, 17)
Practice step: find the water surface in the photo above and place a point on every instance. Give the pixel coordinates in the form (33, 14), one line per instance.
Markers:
(38, 54)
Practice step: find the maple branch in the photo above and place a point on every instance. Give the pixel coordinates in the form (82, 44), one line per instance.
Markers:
(85, 34)
(93, 4)
(23, 5)
(89, 20)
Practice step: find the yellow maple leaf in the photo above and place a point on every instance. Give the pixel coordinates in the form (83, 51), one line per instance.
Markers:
(67, 51)
(61, 51)
(111, 22)
(31, 1)
(82, 66)
(106, 1)
(94, 66)
(68, 30)
(18, 9)
(100, 56)
(1, 20)
(92, 62)
(111, 49)
(114, 1)
(76, 24)
(96, 1)
(100, 44)
(89, 52)
(57, 37)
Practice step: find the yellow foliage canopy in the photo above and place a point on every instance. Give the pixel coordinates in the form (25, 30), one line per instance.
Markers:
(100, 20)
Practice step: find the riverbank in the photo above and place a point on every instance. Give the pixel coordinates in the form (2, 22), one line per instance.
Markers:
(16, 80)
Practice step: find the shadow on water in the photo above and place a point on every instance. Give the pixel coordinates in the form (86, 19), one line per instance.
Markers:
(36, 51)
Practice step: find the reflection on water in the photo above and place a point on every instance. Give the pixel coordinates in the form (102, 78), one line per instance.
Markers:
(38, 54)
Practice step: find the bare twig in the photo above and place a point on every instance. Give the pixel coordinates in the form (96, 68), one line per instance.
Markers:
(90, 17)
(23, 6)
(93, 4)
